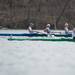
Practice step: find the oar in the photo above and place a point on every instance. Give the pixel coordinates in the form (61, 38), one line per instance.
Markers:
(50, 34)
(38, 32)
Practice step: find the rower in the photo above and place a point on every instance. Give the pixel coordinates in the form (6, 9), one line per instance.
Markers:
(47, 29)
(73, 33)
(66, 29)
(30, 28)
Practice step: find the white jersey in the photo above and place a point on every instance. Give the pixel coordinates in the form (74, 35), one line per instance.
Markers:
(30, 29)
(66, 30)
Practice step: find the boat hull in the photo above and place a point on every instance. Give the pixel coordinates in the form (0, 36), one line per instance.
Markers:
(63, 35)
(34, 35)
(23, 34)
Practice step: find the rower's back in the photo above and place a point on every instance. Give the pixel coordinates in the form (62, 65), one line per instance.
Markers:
(30, 28)
(66, 28)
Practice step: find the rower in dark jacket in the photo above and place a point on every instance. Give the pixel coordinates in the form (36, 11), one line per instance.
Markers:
(47, 29)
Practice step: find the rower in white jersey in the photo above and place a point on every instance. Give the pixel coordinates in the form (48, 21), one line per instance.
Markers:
(30, 28)
(66, 28)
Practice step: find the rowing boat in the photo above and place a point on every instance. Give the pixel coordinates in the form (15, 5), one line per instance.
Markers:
(34, 34)
(41, 39)
(22, 34)
(63, 35)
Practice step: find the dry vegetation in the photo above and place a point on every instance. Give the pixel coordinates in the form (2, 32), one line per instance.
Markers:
(19, 13)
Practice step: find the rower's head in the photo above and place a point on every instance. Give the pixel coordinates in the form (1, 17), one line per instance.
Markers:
(66, 24)
(48, 25)
(31, 24)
